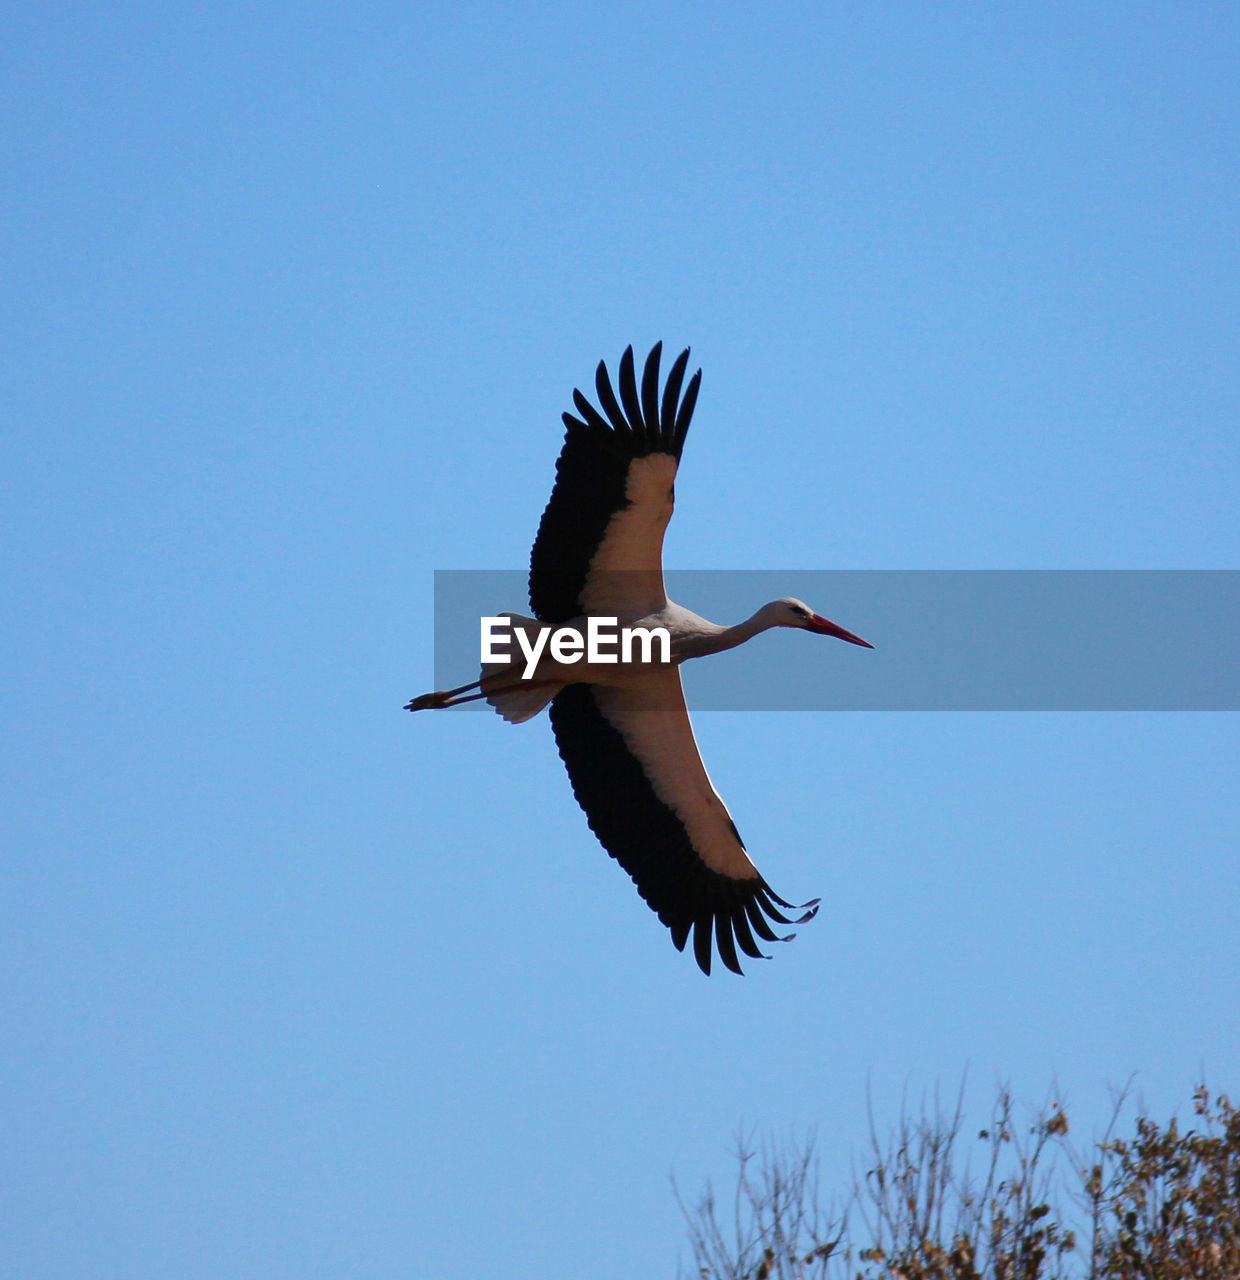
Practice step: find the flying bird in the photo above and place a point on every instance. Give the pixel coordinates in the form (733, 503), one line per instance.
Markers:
(623, 730)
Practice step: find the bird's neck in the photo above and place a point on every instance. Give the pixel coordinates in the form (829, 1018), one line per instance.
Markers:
(718, 638)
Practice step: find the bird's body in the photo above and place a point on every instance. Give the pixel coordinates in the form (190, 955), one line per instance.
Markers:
(623, 729)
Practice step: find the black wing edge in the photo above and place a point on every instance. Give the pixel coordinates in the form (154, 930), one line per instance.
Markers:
(647, 839)
(639, 423)
(592, 471)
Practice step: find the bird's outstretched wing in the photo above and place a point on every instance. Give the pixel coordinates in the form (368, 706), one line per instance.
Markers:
(599, 547)
(636, 771)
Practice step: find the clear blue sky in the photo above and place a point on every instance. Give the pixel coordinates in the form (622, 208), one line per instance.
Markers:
(296, 985)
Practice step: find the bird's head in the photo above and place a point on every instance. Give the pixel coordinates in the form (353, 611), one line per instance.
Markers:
(790, 612)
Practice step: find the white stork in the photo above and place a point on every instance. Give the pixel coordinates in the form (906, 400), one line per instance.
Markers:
(623, 731)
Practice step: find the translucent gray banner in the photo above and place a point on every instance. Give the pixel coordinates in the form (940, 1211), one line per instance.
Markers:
(945, 640)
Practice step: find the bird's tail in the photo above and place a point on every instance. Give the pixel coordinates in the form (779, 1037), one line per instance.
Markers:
(522, 702)
(515, 699)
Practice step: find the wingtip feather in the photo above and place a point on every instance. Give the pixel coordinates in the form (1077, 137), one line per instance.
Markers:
(629, 399)
(650, 398)
(725, 942)
(607, 398)
(740, 925)
(701, 942)
(685, 412)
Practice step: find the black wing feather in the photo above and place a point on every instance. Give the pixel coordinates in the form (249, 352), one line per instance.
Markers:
(744, 937)
(628, 397)
(607, 398)
(725, 942)
(590, 414)
(650, 398)
(701, 943)
(685, 413)
(760, 926)
(671, 397)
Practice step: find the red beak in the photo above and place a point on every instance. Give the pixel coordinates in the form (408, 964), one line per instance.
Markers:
(821, 627)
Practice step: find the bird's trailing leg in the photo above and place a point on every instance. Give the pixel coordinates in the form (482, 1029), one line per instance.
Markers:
(444, 698)
(489, 686)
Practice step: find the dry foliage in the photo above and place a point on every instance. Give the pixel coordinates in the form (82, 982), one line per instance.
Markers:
(1162, 1205)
